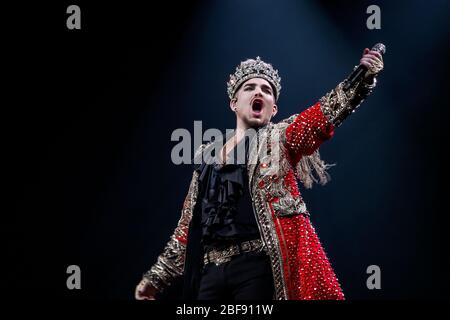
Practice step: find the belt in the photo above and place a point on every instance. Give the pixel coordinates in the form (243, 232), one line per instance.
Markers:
(219, 256)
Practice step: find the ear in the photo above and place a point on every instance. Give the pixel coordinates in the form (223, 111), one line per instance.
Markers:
(233, 104)
(274, 110)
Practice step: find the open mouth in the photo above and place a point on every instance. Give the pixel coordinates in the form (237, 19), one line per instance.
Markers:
(257, 106)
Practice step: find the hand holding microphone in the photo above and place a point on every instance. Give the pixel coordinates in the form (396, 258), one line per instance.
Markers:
(371, 64)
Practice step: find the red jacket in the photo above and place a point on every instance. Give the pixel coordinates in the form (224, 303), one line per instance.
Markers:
(279, 155)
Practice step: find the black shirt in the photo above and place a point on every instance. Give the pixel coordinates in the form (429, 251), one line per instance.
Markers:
(226, 205)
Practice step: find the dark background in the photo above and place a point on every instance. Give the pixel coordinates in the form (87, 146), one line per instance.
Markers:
(87, 135)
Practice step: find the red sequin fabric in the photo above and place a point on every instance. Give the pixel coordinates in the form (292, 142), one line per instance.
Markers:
(301, 269)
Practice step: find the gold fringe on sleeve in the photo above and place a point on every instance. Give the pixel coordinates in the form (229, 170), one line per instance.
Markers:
(312, 169)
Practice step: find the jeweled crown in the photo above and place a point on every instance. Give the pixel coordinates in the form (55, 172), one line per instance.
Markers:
(252, 68)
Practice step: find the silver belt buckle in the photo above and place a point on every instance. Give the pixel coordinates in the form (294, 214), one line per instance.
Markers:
(222, 256)
(222, 260)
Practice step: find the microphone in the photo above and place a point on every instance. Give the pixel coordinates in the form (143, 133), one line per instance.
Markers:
(359, 72)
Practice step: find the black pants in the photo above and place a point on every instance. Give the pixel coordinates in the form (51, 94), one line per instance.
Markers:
(247, 276)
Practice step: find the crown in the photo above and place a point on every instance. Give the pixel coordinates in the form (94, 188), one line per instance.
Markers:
(251, 68)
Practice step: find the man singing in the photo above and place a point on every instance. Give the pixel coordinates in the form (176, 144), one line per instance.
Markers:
(245, 231)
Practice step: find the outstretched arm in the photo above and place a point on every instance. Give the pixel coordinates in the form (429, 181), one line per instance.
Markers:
(308, 130)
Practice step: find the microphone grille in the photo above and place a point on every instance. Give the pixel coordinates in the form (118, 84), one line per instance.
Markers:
(379, 47)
